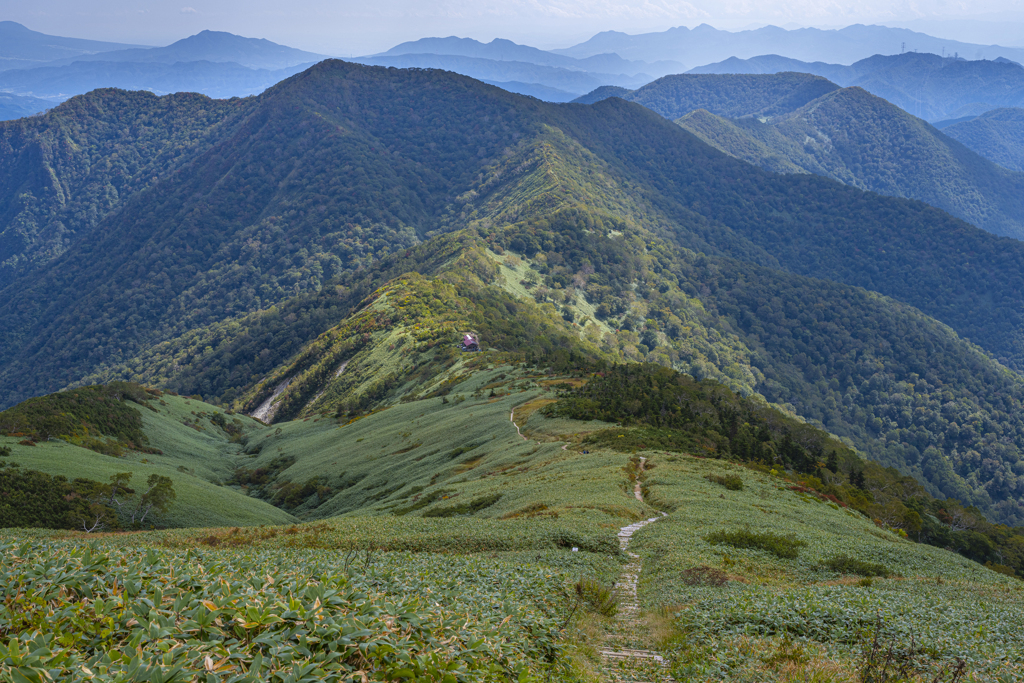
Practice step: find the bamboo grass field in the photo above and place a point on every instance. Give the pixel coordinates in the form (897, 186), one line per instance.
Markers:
(438, 522)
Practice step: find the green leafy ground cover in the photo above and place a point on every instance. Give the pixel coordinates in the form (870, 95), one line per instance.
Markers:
(951, 606)
(501, 572)
(97, 612)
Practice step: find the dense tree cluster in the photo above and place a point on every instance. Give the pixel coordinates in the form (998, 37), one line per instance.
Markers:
(82, 416)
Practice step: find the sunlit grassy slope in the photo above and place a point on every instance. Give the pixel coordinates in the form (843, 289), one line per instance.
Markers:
(952, 606)
(196, 454)
(443, 501)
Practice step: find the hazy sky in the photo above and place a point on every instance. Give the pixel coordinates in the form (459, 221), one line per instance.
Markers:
(348, 27)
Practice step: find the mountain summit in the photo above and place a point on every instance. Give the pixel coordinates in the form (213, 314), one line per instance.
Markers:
(213, 46)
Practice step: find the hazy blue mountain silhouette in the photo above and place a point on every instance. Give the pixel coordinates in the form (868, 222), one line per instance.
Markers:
(212, 46)
(21, 47)
(926, 85)
(705, 44)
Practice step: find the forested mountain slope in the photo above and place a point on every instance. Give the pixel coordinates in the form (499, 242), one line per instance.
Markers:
(63, 173)
(997, 135)
(864, 141)
(336, 166)
(304, 197)
(730, 95)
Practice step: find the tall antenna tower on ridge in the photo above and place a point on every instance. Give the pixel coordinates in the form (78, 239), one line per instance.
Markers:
(903, 48)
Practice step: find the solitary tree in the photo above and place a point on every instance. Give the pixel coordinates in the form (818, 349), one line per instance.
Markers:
(158, 496)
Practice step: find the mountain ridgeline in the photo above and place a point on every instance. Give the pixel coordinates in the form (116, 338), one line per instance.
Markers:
(931, 86)
(327, 241)
(801, 123)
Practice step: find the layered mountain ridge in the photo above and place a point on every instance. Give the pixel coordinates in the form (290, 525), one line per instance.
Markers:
(334, 234)
(802, 123)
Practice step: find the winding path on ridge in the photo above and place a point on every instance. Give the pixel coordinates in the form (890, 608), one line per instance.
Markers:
(625, 658)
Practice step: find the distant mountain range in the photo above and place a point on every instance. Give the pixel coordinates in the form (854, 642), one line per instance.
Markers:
(214, 79)
(523, 69)
(997, 135)
(505, 50)
(926, 85)
(17, 106)
(210, 46)
(38, 71)
(224, 65)
(801, 123)
(571, 83)
(705, 44)
(22, 48)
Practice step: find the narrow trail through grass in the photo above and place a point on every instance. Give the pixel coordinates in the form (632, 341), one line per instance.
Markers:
(627, 658)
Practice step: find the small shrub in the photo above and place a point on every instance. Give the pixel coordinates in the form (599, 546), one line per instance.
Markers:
(5, 451)
(843, 564)
(704, 576)
(466, 508)
(597, 597)
(1000, 568)
(786, 547)
(787, 653)
(886, 660)
(731, 482)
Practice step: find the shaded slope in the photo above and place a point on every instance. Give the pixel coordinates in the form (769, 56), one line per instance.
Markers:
(62, 173)
(736, 140)
(997, 135)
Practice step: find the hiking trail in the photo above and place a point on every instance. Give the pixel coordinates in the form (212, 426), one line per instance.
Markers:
(626, 657)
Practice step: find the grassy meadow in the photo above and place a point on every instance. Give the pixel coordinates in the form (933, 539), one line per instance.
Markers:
(438, 542)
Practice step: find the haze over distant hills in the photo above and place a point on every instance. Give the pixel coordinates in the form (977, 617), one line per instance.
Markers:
(706, 44)
(926, 85)
(17, 106)
(210, 46)
(21, 47)
(522, 69)
(213, 63)
(214, 79)
(506, 50)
